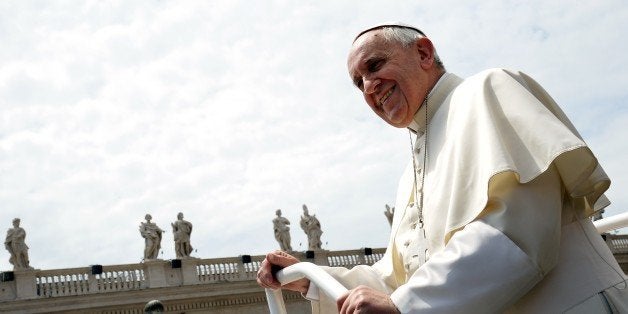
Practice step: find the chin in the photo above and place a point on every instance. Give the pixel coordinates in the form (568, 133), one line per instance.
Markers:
(398, 124)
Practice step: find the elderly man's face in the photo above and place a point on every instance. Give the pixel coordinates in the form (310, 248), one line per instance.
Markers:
(391, 77)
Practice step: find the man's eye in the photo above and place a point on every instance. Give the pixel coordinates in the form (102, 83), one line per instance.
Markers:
(375, 65)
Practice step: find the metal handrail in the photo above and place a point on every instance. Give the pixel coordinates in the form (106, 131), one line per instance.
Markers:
(330, 286)
(315, 274)
(611, 223)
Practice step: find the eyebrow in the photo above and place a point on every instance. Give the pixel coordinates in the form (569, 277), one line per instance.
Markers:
(357, 80)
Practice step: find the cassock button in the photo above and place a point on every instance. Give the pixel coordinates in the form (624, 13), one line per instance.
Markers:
(413, 225)
(407, 243)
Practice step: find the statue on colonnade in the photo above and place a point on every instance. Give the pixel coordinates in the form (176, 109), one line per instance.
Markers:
(152, 238)
(312, 228)
(390, 212)
(16, 245)
(282, 231)
(182, 230)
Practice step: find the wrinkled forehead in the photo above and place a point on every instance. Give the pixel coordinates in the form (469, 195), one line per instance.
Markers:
(366, 47)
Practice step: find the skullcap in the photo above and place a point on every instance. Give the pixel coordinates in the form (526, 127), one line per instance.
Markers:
(388, 24)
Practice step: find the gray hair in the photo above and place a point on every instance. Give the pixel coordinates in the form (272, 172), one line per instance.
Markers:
(407, 36)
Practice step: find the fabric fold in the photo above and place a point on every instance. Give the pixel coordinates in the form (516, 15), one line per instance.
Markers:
(492, 134)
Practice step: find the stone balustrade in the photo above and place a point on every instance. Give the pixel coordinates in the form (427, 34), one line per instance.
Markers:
(223, 285)
(79, 281)
(33, 284)
(618, 243)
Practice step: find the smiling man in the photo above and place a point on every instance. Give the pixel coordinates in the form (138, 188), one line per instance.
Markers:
(393, 76)
(493, 211)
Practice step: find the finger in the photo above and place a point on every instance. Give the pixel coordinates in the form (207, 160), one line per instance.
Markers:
(341, 302)
(265, 277)
(267, 284)
(281, 258)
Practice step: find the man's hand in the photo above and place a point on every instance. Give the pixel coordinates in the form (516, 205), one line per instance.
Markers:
(274, 261)
(363, 299)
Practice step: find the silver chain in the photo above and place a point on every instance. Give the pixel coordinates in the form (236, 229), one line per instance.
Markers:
(419, 197)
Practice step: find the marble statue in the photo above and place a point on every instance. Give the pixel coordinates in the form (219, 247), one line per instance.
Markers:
(152, 237)
(15, 244)
(282, 231)
(182, 230)
(312, 228)
(390, 212)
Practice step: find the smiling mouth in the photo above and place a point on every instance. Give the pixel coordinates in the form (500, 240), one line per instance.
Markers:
(385, 97)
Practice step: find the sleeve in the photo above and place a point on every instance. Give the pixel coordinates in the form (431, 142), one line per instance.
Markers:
(496, 259)
(358, 275)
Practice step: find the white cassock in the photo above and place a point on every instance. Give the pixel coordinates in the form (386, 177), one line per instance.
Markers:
(508, 191)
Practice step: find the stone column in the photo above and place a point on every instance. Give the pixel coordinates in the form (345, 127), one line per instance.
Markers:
(155, 271)
(188, 271)
(26, 286)
(93, 283)
(320, 257)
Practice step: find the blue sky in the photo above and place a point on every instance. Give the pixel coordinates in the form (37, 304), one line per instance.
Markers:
(229, 110)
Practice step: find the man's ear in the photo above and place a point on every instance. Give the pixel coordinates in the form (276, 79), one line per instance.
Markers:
(425, 49)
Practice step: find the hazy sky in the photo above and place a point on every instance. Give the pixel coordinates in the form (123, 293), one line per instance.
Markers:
(229, 110)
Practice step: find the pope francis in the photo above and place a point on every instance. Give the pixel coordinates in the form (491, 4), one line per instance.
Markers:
(493, 211)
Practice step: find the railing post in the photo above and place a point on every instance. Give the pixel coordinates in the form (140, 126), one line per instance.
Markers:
(7, 286)
(189, 272)
(320, 258)
(155, 271)
(93, 283)
(242, 275)
(26, 286)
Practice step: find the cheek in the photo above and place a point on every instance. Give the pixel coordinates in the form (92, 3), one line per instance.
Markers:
(369, 101)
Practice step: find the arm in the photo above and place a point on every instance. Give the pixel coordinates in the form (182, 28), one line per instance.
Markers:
(488, 264)
(495, 260)
(375, 282)
(358, 275)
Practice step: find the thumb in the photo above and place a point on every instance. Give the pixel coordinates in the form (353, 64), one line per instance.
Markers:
(281, 259)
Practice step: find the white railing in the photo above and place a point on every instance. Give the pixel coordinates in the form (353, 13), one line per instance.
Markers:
(227, 269)
(120, 278)
(63, 282)
(618, 243)
(160, 273)
(319, 277)
(611, 223)
(80, 281)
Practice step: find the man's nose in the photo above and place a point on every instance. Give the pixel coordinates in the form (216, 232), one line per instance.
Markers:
(371, 84)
